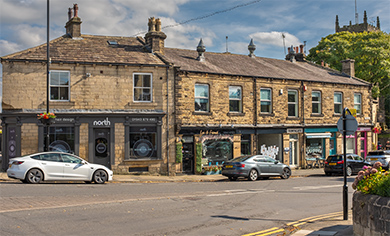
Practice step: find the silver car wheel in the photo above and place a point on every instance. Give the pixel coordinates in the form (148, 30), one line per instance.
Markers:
(253, 175)
(100, 177)
(286, 173)
(34, 176)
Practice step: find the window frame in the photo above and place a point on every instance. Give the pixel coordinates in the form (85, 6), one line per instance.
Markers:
(341, 103)
(199, 97)
(143, 87)
(51, 72)
(358, 111)
(265, 100)
(296, 103)
(319, 102)
(236, 99)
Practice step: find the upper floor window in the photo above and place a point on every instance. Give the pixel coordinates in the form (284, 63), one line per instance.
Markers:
(265, 100)
(338, 103)
(142, 87)
(235, 99)
(202, 97)
(59, 85)
(293, 103)
(357, 101)
(316, 102)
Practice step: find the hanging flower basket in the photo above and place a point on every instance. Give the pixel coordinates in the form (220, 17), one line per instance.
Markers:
(377, 130)
(46, 118)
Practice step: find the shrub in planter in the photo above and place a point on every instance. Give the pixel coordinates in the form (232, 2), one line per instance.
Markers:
(179, 152)
(198, 158)
(373, 180)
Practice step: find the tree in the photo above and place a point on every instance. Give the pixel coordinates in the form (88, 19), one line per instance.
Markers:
(371, 52)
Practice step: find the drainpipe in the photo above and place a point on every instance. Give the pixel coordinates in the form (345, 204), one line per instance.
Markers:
(167, 120)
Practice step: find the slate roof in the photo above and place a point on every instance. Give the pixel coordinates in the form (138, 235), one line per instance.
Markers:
(91, 49)
(243, 65)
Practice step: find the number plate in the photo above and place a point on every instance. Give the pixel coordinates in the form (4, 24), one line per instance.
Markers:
(374, 159)
(229, 166)
(332, 164)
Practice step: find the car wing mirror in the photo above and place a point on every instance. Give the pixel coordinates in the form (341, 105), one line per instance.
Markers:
(276, 162)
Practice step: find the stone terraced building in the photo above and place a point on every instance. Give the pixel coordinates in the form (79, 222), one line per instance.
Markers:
(134, 105)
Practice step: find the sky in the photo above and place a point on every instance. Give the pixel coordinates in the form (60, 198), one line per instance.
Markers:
(23, 23)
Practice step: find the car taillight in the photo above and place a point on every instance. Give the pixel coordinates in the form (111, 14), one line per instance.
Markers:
(326, 162)
(240, 165)
(17, 162)
(340, 162)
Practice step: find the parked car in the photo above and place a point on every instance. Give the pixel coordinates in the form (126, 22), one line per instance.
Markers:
(43, 166)
(334, 164)
(254, 167)
(383, 156)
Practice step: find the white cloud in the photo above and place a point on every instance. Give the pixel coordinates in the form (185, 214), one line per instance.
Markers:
(275, 38)
(7, 47)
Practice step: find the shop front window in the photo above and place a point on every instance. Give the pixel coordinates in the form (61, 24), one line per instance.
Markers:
(61, 139)
(314, 148)
(216, 152)
(143, 142)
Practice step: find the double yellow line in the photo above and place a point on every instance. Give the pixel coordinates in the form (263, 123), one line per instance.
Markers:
(295, 224)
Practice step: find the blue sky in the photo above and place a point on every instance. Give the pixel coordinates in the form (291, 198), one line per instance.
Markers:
(23, 22)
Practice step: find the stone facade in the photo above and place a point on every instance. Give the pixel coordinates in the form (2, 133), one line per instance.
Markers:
(371, 215)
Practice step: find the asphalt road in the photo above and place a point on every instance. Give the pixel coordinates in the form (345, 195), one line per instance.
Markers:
(192, 208)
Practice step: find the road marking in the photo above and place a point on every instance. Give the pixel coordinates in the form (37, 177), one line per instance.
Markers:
(316, 187)
(295, 224)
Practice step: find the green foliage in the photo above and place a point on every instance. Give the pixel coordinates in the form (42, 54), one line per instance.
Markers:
(179, 152)
(373, 181)
(198, 158)
(370, 50)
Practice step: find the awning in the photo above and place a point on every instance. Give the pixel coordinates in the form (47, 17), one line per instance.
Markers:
(318, 135)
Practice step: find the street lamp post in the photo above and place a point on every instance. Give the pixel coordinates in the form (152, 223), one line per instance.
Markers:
(47, 79)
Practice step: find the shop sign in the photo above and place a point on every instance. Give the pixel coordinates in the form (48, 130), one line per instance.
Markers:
(64, 120)
(297, 130)
(207, 132)
(143, 119)
(105, 122)
(364, 129)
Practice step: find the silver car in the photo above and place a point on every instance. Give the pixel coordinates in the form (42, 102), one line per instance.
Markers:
(383, 156)
(38, 167)
(254, 167)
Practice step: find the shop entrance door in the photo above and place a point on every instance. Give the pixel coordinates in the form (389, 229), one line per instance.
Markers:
(102, 147)
(363, 144)
(188, 157)
(294, 150)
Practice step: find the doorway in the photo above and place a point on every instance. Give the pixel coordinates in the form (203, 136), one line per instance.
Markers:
(102, 147)
(294, 150)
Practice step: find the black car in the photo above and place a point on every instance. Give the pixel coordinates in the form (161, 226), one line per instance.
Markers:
(334, 164)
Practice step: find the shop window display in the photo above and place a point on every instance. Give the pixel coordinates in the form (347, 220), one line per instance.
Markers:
(314, 148)
(216, 152)
(143, 142)
(61, 139)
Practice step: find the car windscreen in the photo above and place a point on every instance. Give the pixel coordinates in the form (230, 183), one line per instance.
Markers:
(379, 153)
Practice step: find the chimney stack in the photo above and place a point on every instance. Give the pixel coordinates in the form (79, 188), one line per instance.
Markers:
(155, 37)
(73, 26)
(348, 67)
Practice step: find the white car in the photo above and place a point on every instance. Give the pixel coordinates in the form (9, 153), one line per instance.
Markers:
(38, 167)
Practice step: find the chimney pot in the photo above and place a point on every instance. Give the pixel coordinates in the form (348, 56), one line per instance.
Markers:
(201, 49)
(76, 10)
(70, 13)
(301, 46)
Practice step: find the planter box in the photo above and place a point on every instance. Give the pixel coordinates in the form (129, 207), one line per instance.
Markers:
(371, 215)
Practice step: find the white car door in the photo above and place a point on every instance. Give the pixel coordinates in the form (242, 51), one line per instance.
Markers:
(74, 168)
(52, 165)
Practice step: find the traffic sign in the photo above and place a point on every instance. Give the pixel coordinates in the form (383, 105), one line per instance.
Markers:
(352, 111)
(350, 123)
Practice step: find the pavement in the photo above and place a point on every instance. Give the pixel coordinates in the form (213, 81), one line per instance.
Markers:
(324, 225)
